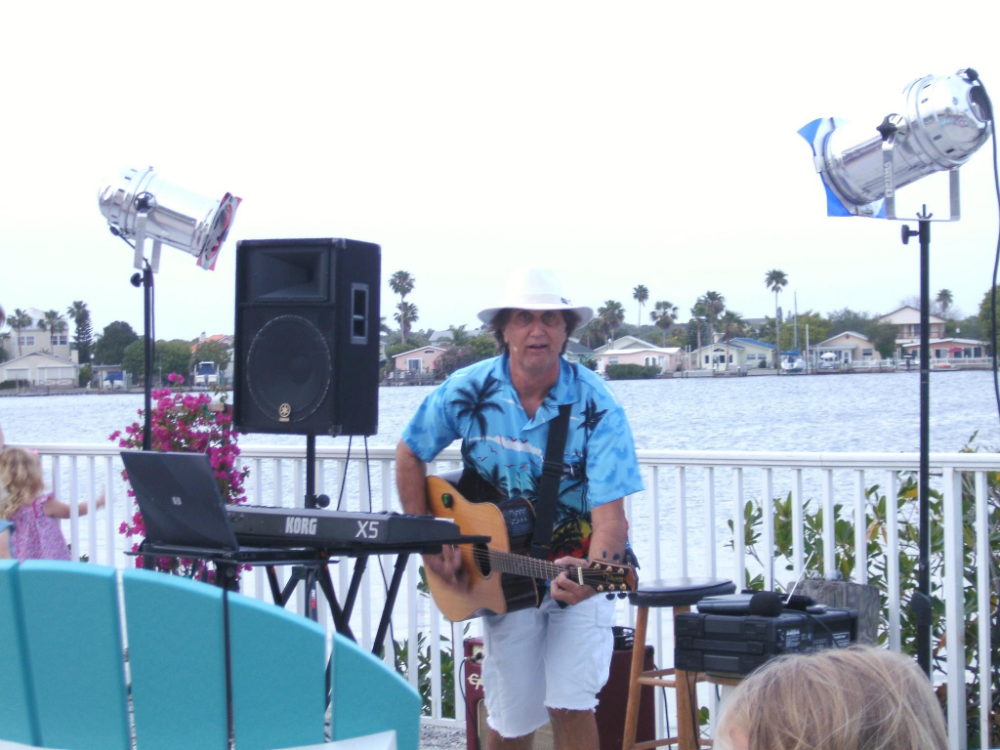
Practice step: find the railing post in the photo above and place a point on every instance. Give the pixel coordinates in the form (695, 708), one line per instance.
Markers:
(860, 529)
(739, 541)
(829, 528)
(109, 515)
(92, 509)
(767, 506)
(983, 565)
(892, 557)
(798, 526)
(954, 580)
(680, 506)
(710, 518)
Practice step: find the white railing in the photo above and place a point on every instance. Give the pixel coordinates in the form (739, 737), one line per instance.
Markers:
(679, 527)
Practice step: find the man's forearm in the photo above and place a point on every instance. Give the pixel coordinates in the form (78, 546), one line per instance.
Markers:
(607, 543)
(411, 480)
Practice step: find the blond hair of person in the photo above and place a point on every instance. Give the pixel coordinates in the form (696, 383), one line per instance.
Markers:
(859, 698)
(20, 480)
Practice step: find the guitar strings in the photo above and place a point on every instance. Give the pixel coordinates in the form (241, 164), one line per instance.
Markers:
(511, 562)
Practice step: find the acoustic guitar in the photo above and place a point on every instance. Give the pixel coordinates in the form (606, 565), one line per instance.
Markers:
(502, 574)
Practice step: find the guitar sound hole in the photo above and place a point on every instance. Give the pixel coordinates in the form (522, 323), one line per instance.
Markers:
(481, 557)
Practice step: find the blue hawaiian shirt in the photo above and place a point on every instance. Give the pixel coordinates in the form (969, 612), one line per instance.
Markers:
(479, 405)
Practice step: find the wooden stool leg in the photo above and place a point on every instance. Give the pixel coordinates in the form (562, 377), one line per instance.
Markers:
(634, 688)
(685, 689)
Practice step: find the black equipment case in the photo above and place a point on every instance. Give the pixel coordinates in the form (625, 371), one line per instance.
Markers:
(739, 644)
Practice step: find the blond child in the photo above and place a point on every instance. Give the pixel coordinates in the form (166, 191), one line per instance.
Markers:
(860, 698)
(35, 534)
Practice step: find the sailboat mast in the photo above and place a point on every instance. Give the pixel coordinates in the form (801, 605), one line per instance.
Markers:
(795, 302)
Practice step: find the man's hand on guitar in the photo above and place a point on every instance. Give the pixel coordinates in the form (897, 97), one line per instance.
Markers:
(448, 566)
(565, 590)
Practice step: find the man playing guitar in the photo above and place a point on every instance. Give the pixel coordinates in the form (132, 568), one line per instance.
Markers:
(546, 663)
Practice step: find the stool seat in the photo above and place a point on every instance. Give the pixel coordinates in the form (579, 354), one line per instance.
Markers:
(676, 592)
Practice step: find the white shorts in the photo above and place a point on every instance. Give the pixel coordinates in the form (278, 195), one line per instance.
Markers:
(545, 657)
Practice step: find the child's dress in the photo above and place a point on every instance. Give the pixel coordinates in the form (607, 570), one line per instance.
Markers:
(37, 536)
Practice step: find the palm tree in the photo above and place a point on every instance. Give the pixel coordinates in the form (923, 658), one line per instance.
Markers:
(83, 332)
(699, 314)
(77, 310)
(402, 284)
(406, 317)
(715, 303)
(641, 295)
(18, 321)
(612, 315)
(459, 336)
(775, 280)
(732, 324)
(52, 322)
(944, 298)
(664, 315)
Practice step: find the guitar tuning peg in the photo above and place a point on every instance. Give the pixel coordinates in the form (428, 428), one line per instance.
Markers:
(610, 596)
(600, 588)
(622, 595)
(623, 587)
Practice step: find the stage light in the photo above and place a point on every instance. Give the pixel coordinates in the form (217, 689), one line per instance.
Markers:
(141, 204)
(941, 121)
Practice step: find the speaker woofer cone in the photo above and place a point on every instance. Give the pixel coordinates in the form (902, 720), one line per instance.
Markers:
(289, 369)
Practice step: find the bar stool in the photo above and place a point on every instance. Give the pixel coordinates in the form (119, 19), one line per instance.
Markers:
(679, 594)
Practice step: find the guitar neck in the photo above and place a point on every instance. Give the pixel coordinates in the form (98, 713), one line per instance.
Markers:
(522, 565)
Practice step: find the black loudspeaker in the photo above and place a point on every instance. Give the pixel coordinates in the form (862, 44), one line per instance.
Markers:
(307, 336)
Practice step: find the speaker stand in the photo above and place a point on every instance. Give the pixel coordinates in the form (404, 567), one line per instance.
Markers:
(312, 500)
(313, 574)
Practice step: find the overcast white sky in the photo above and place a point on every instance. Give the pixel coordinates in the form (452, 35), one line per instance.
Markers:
(623, 143)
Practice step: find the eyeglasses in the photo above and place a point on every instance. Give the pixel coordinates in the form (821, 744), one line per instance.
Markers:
(549, 319)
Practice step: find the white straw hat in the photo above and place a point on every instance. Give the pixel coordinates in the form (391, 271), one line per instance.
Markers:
(535, 289)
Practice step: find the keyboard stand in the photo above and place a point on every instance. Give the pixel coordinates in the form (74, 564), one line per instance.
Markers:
(311, 575)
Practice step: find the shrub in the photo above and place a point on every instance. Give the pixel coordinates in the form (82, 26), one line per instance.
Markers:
(631, 372)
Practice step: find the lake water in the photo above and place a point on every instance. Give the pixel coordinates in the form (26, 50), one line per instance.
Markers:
(871, 412)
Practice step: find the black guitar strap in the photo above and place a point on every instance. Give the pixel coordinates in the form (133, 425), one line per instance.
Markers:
(548, 487)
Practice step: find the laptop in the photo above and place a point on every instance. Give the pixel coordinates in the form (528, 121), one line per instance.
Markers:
(180, 500)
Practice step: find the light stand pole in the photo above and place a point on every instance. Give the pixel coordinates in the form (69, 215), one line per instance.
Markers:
(145, 279)
(920, 602)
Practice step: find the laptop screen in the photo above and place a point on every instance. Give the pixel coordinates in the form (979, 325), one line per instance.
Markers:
(179, 499)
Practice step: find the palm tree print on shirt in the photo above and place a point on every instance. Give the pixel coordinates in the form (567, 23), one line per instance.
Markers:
(473, 402)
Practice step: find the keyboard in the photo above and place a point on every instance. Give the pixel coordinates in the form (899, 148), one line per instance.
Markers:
(263, 526)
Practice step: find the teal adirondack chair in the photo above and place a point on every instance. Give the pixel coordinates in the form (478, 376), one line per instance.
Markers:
(66, 683)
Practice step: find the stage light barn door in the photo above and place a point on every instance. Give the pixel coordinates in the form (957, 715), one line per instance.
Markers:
(307, 336)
